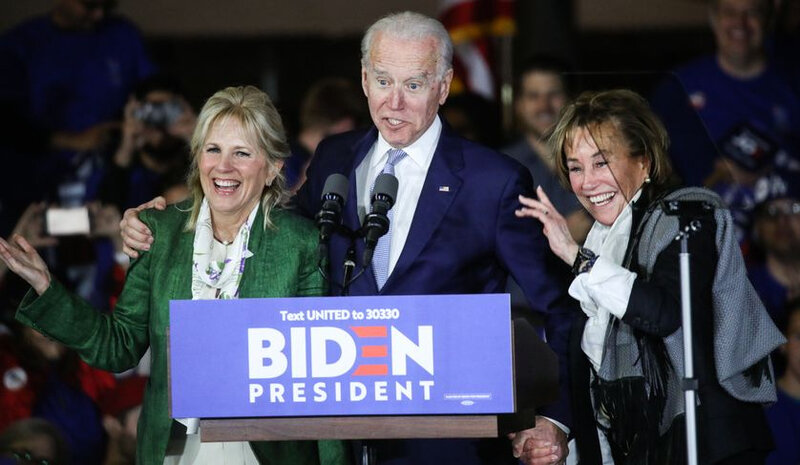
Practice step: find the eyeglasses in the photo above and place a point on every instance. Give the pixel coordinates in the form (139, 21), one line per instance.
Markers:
(26, 458)
(782, 209)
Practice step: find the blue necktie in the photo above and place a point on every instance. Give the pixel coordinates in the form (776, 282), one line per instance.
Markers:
(380, 259)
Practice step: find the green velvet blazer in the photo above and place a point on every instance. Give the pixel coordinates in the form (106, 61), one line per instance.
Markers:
(284, 263)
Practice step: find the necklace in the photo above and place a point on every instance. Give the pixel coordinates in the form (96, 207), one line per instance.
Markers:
(226, 243)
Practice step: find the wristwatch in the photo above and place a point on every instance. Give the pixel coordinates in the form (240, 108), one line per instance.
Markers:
(584, 261)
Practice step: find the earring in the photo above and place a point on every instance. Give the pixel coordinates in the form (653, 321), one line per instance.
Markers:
(647, 180)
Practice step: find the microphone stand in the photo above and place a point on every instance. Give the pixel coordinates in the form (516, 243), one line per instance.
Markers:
(689, 381)
(368, 453)
(689, 213)
(349, 265)
(388, 191)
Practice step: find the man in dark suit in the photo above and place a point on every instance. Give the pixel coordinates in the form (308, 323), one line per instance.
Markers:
(453, 229)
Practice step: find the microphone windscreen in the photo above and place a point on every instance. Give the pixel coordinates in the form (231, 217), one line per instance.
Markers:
(386, 184)
(336, 184)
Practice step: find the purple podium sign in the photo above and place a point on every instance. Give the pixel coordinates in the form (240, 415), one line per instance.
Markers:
(323, 356)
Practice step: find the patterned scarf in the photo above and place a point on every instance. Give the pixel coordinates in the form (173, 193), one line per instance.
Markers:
(223, 275)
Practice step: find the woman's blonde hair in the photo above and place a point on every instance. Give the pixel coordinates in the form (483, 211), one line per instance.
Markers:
(623, 110)
(262, 125)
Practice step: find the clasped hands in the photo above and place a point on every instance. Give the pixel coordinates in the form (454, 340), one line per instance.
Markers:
(545, 444)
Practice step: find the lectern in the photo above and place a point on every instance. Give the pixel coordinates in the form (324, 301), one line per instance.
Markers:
(378, 367)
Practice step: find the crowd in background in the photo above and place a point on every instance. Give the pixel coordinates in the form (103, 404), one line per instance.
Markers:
(89, 121)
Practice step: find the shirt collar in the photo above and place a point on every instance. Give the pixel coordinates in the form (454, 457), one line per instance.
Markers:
(420, 151)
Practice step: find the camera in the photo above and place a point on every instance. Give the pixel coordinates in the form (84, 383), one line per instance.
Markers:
(160, 114)
(67, 221)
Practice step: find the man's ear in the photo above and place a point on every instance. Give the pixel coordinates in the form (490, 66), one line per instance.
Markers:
(444, 86)
(364, 80)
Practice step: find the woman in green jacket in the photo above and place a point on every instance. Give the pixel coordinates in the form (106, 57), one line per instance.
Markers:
(231, 239)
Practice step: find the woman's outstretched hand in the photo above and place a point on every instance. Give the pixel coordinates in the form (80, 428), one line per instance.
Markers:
(554, 225)
(21, 258)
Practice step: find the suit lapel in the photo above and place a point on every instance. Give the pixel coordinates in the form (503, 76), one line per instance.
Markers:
(351, 219)
(180, 281)
(254, 282)
(440, 188)
(360, 149)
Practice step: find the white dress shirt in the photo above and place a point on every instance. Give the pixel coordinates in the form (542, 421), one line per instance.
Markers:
(410, 172)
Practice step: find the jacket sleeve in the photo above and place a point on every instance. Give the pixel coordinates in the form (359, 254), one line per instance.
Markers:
(523, 250)
(113, 342)
(311, 281)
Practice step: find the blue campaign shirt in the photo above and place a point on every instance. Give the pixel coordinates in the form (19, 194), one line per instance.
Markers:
(770, 103)
(71, 80)
(53, 79)
(771, 292)
(784, 420)
(76, 416)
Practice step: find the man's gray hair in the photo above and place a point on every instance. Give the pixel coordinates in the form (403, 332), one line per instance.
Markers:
(410, 25)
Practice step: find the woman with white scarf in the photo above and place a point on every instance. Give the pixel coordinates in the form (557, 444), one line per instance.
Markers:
(625, 360)
(231, 239)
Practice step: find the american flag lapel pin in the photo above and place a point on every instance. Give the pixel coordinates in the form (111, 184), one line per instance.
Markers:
(444, 188)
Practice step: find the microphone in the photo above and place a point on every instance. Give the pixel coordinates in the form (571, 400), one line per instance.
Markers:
(376, 223)
(334, 195)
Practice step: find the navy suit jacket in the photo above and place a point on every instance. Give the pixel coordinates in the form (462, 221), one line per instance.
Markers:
(464, 237)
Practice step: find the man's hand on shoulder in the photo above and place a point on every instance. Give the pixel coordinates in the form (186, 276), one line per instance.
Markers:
(135, 234)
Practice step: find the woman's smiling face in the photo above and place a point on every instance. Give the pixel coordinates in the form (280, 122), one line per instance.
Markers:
(233, 171)
(604, 178)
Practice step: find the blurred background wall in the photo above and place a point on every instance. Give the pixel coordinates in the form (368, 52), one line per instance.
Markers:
(283, 46)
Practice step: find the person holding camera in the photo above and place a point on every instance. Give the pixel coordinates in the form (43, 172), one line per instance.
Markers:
(66, 76)
(154, 145)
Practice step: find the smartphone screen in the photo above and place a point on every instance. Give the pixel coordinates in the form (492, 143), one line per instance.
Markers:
(67, 221)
